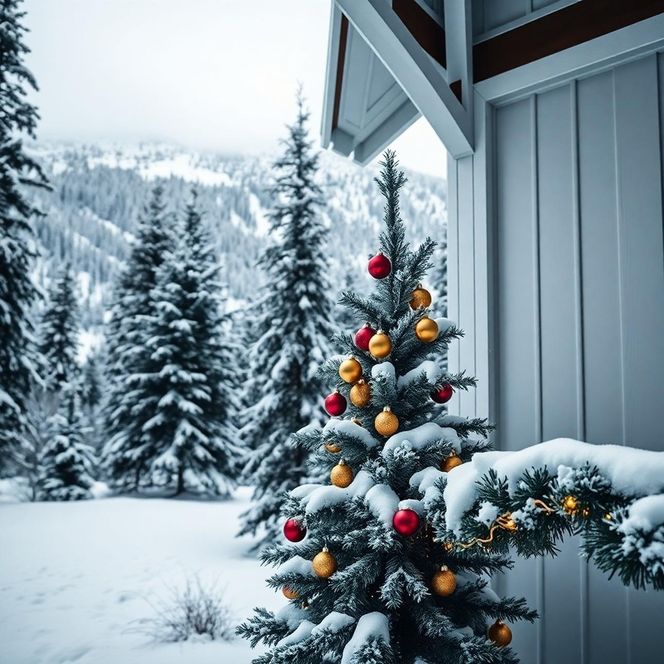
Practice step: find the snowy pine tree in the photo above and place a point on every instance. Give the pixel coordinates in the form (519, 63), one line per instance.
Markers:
(91, 383)
(59, 333)
(290, 331)
(126, 329)
(91, 389)
(17, 248)
(66, 462)
(182, 435)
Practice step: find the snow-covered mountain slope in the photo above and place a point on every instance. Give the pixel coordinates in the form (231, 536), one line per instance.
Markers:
(78, 578)
(98, 193)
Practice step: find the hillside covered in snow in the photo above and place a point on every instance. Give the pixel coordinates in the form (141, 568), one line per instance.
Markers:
(99, 191)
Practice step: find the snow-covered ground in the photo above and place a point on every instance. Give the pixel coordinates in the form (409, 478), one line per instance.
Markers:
(75, 578)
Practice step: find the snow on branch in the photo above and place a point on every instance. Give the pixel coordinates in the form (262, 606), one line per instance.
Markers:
(348, 428)
(316, 497)
(421, 437)
(370, 627)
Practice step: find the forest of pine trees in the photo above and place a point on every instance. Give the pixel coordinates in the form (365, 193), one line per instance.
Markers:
(182, 397)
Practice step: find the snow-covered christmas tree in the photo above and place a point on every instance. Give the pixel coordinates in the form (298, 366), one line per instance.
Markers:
(182, 437)
(390, 562)
(66, 462)
(59, 333)
(290, 331)
(17, 247)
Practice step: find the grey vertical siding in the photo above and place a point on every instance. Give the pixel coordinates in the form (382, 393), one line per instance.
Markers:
(580, 324)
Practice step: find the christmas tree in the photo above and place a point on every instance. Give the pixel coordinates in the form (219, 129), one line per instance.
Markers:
(59, 333)
(370, 583)
(66, 462)
(180, 395)
(290, 332)
(390, 561)
(17, 247)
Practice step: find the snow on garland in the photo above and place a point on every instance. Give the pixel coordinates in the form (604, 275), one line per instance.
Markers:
(529, 499)
(631, 472)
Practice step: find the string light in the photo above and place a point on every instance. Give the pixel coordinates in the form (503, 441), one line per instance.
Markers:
(503, 522)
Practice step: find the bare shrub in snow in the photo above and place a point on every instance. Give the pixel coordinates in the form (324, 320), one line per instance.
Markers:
(194, 612)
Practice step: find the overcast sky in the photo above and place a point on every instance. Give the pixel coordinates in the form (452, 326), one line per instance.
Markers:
(208, 74)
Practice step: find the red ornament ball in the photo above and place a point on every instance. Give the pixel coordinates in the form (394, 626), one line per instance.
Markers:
(363, 337)
(294, 531)
(379, 266)
(406, 522)
(443, 393)
(335, 403)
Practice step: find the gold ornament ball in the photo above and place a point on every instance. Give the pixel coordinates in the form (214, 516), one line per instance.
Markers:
(444, 582)
(450, 462)
(426, 330)
(380, 345)
(570, 504)
(360, 394)
(289, 593)
(350, 370)
(332, 448)
(341, 475)
(420, 298)
(500, 634)
(324, 564)
(386, 422)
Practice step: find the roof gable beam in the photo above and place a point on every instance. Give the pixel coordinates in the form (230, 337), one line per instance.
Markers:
(423, 80)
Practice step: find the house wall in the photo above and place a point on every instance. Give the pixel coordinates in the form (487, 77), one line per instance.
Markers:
(576, 254)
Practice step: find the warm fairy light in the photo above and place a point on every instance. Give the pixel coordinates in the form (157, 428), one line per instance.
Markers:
(570, 504)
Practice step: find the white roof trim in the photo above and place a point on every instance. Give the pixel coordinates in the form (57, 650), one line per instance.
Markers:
(330, 74)
(422, 79)
(621, 45)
